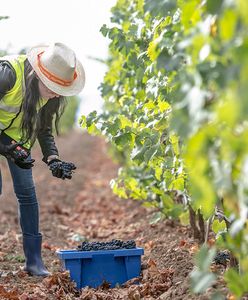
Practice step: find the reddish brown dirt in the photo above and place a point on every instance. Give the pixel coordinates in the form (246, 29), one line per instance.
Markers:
(85, 207)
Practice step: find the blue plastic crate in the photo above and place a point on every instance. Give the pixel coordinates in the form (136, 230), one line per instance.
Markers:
(92, 268)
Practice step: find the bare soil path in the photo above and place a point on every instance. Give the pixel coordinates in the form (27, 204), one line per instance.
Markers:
(85, 207)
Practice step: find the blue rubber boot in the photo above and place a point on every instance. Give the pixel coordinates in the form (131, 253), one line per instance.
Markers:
(32, 250)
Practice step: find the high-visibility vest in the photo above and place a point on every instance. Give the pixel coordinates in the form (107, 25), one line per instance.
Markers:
(11, 104)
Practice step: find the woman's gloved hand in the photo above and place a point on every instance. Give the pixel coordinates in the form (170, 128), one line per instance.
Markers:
(17, 154)
(61, 169)
(7, 150)
(27, 163)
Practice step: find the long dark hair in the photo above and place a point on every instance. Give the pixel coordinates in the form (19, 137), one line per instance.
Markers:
(32, 120)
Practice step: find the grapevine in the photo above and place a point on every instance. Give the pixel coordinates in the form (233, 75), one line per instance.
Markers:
(175, 112)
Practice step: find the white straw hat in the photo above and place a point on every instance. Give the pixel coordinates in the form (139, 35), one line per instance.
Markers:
(58, 68)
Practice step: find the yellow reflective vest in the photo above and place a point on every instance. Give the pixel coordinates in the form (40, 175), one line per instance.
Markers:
(11, 104)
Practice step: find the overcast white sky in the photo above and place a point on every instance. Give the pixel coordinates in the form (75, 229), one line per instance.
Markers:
(75, 23)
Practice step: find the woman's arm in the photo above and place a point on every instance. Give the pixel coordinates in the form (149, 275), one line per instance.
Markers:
(45, 136)
(7, 78)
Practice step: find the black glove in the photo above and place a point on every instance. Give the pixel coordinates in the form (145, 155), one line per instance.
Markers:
(25, 163)
(17, 154)
(61, 169)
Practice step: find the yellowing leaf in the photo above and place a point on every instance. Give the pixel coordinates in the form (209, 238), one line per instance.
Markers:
(152, 50)
(83, 122)
(203, 194)
(177, 184)
(163, 106)
(184, 218)
(149, 105)
(158, 173)
(218, 226)
(125, 121)
(92, 129)
(140, 5)
(191, 12)
(119, 191)
(228, 24)
(228, 111)
(122, 100)
(175, 145)
(243, 10)
(131, 183)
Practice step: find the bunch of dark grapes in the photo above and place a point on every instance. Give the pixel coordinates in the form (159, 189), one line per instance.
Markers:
(62, 169)
(110, 245)
(222, 258)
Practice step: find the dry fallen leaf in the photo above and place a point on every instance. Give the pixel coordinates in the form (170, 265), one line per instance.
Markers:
(46, 246)
(193, 249)
(211, 242)
(182, 243)
(24, 296)
(149, 245)
(152, 264)
(10, 295)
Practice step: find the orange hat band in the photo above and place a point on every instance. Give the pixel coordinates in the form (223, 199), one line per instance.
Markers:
(53, 77)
